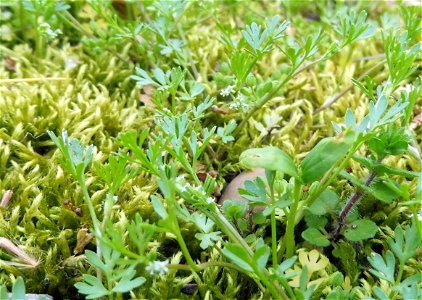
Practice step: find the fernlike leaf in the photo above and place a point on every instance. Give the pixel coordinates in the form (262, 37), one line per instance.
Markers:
(92, 287)
(383, 269)
(255, 191)
(253, 36)
(313, 260)
(127, 282)
(158, 207)
(94, 260)
(404, 247)
(126, 285)
(203, 223)
(208, 239)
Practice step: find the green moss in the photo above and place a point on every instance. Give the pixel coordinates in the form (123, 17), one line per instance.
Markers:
(90, 94)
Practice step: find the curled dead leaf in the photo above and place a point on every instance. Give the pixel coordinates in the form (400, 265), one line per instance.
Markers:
(83, 238)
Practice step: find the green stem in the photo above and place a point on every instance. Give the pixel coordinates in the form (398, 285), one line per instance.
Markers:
(38, 38)
(185, 249)
(91, 209)
(274, 292)
(273, 227)
(206, 265)
(71, 21)
(274, 239)
(230, 231)
(95, 222)
(187, 50)
(400, 274)
(290, 230)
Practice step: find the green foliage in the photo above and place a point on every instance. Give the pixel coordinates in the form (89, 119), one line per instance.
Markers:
(361, 230)
(315, 237)
(120, 280)
(177, 96)
(317, 162)
(269, 158)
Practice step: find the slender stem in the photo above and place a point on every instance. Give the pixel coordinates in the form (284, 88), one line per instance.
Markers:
(273, 227)
(206, 265)
(400, 274)
(274, 292)
(188, 53)
(185, 250)
(95, 222)
(91, 209)
(271, 95)
(231, 232)
(290, 230)
(71, 21)
(350, 204)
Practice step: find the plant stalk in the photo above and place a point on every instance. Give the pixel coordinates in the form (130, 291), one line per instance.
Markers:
(350, 204)
(290, 230)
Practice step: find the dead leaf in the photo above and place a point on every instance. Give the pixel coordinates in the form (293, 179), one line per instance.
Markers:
(83, 238)
(417, 120)
(146, 97)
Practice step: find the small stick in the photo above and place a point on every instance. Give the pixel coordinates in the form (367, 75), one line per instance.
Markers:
(18, 252)
(5, 200)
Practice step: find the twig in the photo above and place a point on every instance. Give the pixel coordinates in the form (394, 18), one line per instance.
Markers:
(344, 91)
(5, 200)
(6, 244)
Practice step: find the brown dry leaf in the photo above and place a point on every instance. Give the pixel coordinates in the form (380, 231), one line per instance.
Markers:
(83, 238)
(120, 7)
(146, 97)
(10, 64)
(222, 111)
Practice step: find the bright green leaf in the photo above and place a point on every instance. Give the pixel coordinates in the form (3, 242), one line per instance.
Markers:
(326, 202)
(323, 156)
(315, 237)
(270, 158)
(361, 230)
(238, 255)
